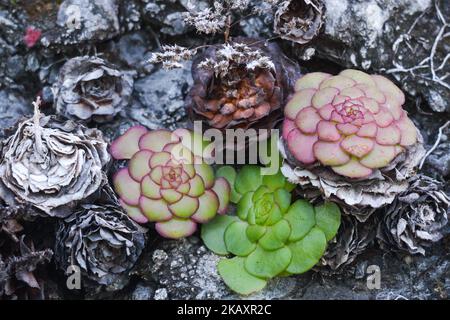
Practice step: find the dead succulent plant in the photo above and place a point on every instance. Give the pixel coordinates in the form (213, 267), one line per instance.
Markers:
(17, 270)
(52, 164)
(352, 239)
(90, 88)
(241, 85)
(416, 219)
(167, 180)
(347, 137)
(102, 241)
(299, 20)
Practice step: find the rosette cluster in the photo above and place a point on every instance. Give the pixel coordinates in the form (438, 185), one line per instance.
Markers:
(349, 136)
(241, 85)
(167, 181)
(269, 236)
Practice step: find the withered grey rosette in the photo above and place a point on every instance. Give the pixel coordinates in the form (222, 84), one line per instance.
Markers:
(103, 241)
(90, 88)
(52, 164)
(352, 239)
(299, 20)
(417, 217)
(348, 138)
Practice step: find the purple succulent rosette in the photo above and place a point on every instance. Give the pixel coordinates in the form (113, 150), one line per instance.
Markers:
(167, 181)
(348, 136)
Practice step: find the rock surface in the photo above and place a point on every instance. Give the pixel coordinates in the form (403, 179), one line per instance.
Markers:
(397, 38)
(404, 39)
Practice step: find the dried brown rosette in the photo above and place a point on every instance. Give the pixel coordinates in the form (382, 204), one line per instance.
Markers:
(299, 20)
(242, 84)
(52, 164)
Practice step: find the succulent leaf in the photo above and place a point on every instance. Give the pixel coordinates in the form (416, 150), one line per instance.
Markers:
(223, 192)
(328, 219)
(167, 182)
(176, 228)
(352, 123)
(237, 278)
(301, 218)
(269, 236)
(236, 239)
(267, 264)
(127, 145)
(307, 251)
(248, 179)
(213, 234)
(229, 174)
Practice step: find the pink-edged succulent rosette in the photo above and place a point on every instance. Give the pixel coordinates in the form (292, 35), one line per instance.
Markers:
(167, 180)
(348, 137)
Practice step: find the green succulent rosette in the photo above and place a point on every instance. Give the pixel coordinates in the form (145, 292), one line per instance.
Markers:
(269, 235)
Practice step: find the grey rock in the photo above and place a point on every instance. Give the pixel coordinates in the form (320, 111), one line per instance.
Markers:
(12, 108)
(15, 66)
(129, 16)
(135, 49)
(160, 98)
(174, 24)
(439, 160)
(142, 292)
(390, 37)
(80, 21)
(161, 294)
(168, 14)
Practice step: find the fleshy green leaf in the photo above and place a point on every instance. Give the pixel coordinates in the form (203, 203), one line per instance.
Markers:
(255, 232)
(282, 199)
(301, 218)
(274, 181)
(229, 173)
(328, 219)
(236, 239)
(260, 192)
(267, 264)
(248, 179)
(213, 233)
(237, 278)
(244, 205)
(307, 252)
(275, 215)
(276, 236)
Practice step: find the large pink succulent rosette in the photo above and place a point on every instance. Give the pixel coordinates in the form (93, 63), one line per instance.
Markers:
(167, 181)
(345, 133)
